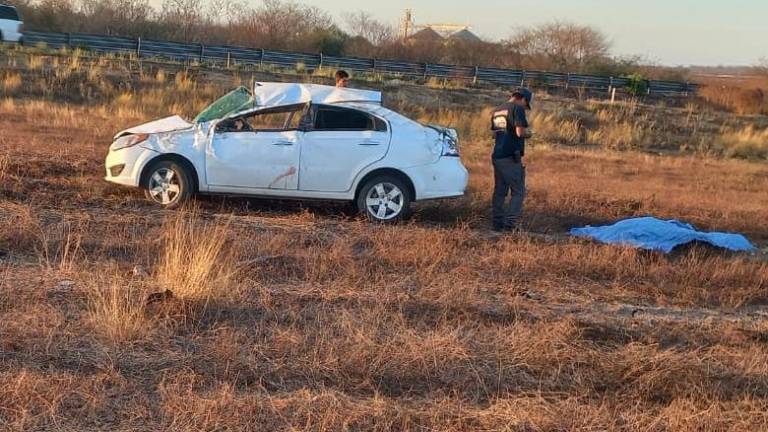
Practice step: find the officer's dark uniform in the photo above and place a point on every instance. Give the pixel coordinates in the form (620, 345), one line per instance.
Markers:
(509, 172)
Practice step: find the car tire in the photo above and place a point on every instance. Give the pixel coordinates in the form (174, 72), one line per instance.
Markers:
(168, 184)
(385, 199)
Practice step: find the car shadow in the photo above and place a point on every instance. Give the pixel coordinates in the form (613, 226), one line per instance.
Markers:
(276, 207)
(432, 214)
(443, 214)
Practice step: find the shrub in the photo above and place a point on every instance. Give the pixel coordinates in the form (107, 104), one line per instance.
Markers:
(637, 85)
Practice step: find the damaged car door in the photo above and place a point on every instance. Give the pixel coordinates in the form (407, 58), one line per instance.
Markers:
(341, 143)
(258, 150)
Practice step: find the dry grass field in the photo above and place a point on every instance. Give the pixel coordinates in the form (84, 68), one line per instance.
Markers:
(299, 316)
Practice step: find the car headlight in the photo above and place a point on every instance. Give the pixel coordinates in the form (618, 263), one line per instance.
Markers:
(128, 141)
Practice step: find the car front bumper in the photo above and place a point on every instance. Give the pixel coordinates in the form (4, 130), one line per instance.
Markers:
(132, 159)
(446, 178)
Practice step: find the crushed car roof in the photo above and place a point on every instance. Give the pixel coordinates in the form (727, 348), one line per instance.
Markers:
(278, 94)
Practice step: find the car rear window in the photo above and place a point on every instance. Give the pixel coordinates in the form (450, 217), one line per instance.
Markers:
(8, 13)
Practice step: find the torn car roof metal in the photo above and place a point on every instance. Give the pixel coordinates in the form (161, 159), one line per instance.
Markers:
(271, 94)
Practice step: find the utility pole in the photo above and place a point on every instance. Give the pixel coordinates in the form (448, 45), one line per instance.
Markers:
(407, 22)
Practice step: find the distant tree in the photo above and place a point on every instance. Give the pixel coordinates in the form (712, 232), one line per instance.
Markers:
(560, 46)
(280, 24)
(184, 19)
(225, 12)
(616, 66)
(470, 52)
(362, 24)
(50, 15)
(331, 41)
(122, 17)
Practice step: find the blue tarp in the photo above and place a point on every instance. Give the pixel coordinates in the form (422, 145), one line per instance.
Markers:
(656, 234)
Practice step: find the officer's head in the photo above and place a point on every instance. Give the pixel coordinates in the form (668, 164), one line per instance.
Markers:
(522, 97)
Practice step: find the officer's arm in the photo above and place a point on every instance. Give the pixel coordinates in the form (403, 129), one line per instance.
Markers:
(521, 123)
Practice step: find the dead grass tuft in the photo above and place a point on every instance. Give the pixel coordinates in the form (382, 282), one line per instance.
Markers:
(5, 161)
(10, 82)
(117, 312)
(59, 246)
(194, 263)
(554, 128)
(747, 143)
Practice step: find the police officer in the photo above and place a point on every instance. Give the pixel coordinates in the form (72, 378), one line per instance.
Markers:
(510, 130)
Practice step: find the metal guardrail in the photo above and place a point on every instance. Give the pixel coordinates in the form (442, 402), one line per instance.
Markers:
(234, 55)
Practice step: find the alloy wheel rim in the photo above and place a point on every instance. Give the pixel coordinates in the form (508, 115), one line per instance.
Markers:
(384, 201)
(164, 186)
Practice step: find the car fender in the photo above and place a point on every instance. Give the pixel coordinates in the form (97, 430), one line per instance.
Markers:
(376, 166)
(188, 144)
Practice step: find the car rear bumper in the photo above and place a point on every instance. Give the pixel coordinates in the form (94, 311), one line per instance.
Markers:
(445, 178)
(124, 166)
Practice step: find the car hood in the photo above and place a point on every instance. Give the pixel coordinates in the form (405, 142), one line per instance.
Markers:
(168, 124)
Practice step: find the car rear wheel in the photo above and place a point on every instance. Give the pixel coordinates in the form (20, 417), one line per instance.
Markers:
(167, 184)
(384, 199)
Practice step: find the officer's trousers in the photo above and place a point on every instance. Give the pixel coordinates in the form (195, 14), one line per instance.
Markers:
(509, 176)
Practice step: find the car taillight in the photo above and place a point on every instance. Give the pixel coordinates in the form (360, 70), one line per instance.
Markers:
(450, 141)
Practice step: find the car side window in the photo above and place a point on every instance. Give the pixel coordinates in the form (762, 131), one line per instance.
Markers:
(345, 119)
(8, 13)
(271, 121)
(276, 120)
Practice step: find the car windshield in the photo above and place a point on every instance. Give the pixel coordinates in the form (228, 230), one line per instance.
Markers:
(234, 101)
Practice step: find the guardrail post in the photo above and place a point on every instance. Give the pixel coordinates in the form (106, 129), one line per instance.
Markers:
(69, 40)
(374, 65)
(138, 47)
(261, 59)
(522, 79)
(320, 66)
(610, 84)
(426, 71)
(229, 58)
(202, 52)
(567, 80)
(474, 78)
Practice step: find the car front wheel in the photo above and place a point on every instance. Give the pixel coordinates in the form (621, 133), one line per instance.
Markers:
(167, 184)
(384, 199)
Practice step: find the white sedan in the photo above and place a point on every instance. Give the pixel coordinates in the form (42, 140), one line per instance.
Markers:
(300, 141)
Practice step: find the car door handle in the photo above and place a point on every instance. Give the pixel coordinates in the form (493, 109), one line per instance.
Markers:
(370, 143)
(283, 143)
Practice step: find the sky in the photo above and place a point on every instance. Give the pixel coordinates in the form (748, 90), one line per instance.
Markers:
(670, 32)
